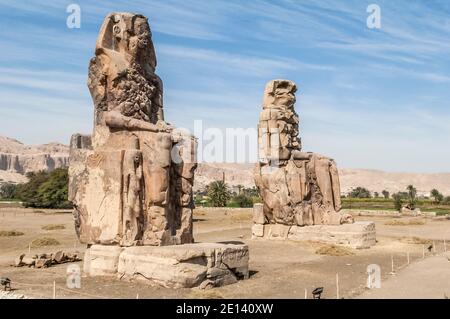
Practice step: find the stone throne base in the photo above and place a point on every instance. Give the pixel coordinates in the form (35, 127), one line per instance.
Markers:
(202, 265)
(358, 235)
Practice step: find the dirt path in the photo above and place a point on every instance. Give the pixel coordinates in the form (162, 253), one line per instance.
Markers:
(426, 279)
(278, 269)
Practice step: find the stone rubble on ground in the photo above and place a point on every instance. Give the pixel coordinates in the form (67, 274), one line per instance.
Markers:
(46, 260)
(131, 181)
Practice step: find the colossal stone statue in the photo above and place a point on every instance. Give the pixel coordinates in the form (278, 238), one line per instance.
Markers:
(297, 188)
(131, 183)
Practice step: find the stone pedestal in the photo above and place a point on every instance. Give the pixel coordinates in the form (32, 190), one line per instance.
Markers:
(357, 235)
(102, 260)
(185, 266)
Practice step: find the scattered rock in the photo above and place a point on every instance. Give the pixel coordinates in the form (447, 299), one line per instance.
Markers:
(46, 260)
(18, 261)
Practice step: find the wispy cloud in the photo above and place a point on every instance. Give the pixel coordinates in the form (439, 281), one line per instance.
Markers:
(369, 98)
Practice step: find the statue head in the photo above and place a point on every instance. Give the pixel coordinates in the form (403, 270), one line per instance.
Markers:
(129, 35)
(280, 94)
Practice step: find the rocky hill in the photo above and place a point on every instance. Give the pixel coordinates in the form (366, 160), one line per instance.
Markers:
(373, 180)
(16, 159)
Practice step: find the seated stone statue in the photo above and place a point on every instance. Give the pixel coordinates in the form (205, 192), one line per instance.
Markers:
(142, 196)
(297, 188)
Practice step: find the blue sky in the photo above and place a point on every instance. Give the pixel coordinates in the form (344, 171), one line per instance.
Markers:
(370, 98)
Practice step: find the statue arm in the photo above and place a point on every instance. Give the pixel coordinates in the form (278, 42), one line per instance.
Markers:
(114, 119)
(298, 155)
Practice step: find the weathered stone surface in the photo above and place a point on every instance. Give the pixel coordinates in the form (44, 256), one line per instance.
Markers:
(258, 230)
(278, 231)
(101, 260)
(297, 188)
(131, 182)
(356, 235)
(258, 214)
(43, 263)
(58, 257)
(179, 266)
(28, 260)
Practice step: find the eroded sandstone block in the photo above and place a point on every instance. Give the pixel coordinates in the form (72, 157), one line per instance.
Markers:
(102, 260)
(297, 188)
(257, 230)
(182, 266)
(131, 182)
(258, 214)
(358, 235)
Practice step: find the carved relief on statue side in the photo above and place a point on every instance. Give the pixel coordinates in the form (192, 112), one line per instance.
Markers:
(132, 197)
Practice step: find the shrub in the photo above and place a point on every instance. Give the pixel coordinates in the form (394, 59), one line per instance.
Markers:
(8, 191)
(360, 192)
(243, 201)
(10, 233)
(46, 189)
(398, 201)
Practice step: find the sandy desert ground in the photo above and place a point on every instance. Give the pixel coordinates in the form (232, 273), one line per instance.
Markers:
(278, 269)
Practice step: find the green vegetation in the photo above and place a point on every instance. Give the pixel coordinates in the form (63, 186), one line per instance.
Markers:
(218, 194)
(360, 192)
(412, 196)
(45, 190)
(8, 191)
(243, 200)
(425, 205)
(398, 200)
(438, 197)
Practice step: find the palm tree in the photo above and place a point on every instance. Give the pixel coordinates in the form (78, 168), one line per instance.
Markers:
(385, 194)
(218, 193)
(412, 192)
(436, 195)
